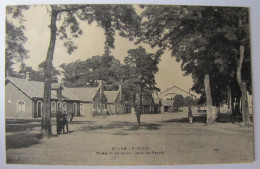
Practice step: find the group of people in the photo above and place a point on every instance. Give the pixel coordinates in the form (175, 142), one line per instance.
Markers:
(62, 121)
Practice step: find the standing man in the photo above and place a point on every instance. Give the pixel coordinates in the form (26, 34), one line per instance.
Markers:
(65, 120)
(58, 120)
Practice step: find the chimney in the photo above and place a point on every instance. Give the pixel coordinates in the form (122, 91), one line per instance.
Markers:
(27, 76)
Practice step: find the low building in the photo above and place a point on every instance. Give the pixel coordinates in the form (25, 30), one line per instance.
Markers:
(114, 102)
(167, 106)
(170, 93)
(24, 99)
(157, 105)
(147, 105)
(92, 99)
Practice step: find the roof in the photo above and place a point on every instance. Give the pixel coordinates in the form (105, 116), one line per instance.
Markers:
(167, 103)
(165, 92)
(56, 86)
(80, 93)
(111, 96)
(33, 89)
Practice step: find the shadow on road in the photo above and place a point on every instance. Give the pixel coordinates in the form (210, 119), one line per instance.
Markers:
(18, 133)
(128, 126)
(22, 140)
(228, 118)
(19, 125)
(196, 119)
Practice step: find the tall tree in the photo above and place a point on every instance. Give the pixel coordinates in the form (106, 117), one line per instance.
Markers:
(142, 67)
(14, 38)
(204, 39)
(109, 17)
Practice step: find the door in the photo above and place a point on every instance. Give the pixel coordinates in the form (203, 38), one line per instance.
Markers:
(39, 109)
(75, 109)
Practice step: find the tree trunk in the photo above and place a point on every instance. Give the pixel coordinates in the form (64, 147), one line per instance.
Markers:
(46, 116)
(210, 114)
(242, 85)
(229, 101)
(139, 112)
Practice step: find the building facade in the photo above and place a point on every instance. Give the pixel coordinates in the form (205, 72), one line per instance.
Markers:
(24, 99)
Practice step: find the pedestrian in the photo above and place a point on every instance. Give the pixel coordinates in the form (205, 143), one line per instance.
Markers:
(138, 115)
(58, 121)
(71, 115)
(65, 122)
(190, 114)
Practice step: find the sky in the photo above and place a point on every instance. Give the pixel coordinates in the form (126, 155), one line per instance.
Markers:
(89, 44)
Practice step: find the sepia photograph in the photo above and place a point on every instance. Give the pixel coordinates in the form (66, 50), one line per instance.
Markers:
(128, 85)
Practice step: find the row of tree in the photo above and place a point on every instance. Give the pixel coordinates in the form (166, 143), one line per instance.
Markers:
(213, 45)
(211, 42)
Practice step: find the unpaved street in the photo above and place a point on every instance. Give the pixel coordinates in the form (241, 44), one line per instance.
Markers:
(118, 140)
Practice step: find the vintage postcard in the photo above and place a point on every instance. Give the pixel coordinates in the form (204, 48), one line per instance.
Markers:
(128, 85)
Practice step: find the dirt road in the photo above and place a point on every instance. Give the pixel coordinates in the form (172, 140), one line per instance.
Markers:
(118, 140)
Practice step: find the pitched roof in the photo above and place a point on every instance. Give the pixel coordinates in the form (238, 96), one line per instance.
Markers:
(111, 96)
(33, 89)
(81, 93)
(167, 102)
(165, 92)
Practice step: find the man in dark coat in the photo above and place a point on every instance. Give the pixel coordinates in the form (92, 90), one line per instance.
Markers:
(65, 122)
(58, 121)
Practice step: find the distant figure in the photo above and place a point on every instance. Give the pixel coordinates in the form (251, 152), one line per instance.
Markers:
(71, 115)
(190, 114)
(138, 115)
(58, 121)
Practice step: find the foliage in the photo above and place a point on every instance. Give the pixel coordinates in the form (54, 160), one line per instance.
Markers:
(14, 38)
(139, 70)
(178, 101)
(205, 40)
(189, 101)
(87, 73)
(122, 18)
(39, 74)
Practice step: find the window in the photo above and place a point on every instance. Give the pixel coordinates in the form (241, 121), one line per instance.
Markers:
(39, 108)
(59, 106)
(53, 106)
(20, 106)
(64, 106)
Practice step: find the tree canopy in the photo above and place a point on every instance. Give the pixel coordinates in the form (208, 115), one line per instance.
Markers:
(87, 73)
(15, 38)
(207, 41)
(38, 75)
(111, 18)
